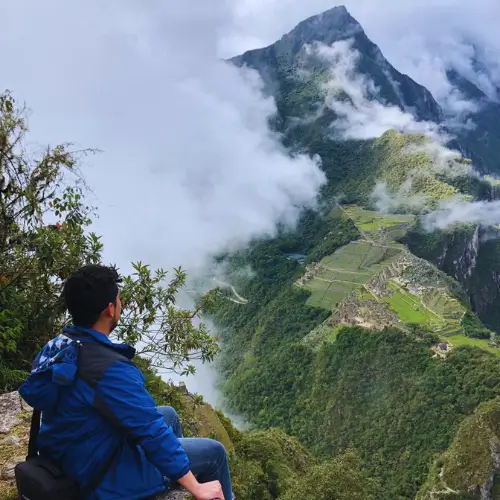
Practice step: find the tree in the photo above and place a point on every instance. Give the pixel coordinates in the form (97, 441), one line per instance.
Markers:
(159, 329)
(44, 236)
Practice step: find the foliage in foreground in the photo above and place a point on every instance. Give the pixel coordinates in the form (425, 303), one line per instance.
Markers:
(44, 236)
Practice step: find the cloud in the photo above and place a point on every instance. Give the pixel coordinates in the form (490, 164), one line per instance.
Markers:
(389, 202)
(190, 166)
(422, 40)
(454, 212)
(444, 161)
(351, 96)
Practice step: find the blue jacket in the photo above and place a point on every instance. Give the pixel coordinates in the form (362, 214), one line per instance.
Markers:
(95, 407)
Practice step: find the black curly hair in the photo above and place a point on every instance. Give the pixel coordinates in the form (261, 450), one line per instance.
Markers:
(88, 291)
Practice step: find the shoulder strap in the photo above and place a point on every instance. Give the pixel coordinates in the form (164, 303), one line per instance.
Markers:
(33, 451)
(34, 430)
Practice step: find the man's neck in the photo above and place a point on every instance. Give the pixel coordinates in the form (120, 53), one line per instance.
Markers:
(104, 329)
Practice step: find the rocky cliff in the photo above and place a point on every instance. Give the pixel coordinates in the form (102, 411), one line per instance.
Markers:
(277, 62)
(472, 256)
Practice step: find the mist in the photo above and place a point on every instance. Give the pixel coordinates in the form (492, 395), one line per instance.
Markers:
(444, 161)
(351, 96)
(387, 202)
(189, 166)
(454, 212)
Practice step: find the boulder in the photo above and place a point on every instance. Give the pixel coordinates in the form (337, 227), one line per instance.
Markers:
(11, 405)
(7, 471)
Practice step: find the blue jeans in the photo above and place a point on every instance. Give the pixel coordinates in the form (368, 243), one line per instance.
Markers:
(208, 457)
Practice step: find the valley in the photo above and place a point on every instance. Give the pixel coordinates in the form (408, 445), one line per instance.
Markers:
(367, 328)
(348, 216)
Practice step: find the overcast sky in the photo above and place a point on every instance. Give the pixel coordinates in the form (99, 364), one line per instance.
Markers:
(183, 133)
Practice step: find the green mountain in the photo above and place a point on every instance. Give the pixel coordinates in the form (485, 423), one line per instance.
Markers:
(354, 166)
(277, 63)
(360, 331)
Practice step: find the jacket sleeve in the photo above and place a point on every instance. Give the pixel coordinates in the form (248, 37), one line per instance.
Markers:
(122, 397)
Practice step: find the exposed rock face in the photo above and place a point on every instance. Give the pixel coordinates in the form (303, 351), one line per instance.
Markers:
(472, 256)
(467, 261)
(11, 405)
(175, 495)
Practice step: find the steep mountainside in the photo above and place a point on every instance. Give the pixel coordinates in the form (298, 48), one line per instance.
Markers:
(354, 166)
(480, 141)
(361, 329)
(278, 62)
(265, 465)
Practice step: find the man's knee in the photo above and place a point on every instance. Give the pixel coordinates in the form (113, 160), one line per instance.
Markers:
(169, 414)
(216, 450)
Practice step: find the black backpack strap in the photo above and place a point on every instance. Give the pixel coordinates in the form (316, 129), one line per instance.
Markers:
(34, 430)
(96, 480)
(33, 452)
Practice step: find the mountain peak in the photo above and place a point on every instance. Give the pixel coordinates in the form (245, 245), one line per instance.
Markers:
(328, 27)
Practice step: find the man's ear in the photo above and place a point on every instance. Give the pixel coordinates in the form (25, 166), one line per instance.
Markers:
(110, 310)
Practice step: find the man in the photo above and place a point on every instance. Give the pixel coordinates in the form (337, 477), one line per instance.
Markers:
(99, 423)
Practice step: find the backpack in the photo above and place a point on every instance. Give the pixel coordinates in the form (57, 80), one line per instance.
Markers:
(37, 478)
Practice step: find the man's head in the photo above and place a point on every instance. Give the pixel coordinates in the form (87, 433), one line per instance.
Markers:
(92, 298)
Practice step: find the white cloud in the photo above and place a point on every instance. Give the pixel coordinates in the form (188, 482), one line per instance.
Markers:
(444, 161)
(453, 212)
(390, 202)
(350, 96)
(190, 166)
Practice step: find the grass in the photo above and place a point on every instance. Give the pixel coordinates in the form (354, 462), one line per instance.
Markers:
(328, 294)
(411, 308)
(444, 305)
(347, 270)
(461, 339)
(322, 333)
(345, 273)
(349, 276)
(408, 307)
(361, 257)
(386, 227)
(209, 425)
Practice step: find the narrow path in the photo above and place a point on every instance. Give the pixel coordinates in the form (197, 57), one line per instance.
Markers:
(240, 299)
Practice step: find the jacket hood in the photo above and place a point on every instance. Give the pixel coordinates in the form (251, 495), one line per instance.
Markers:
(54, 368)
(56, 365)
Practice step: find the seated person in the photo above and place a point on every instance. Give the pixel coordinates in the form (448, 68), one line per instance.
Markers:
(99, 423)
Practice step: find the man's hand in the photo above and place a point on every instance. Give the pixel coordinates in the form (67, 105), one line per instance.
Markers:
(201, 491)
(208, 491)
